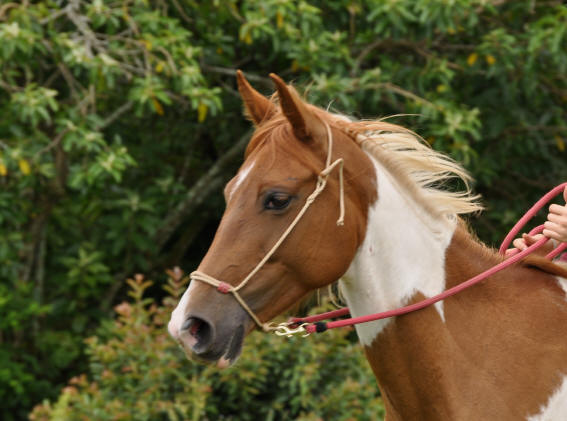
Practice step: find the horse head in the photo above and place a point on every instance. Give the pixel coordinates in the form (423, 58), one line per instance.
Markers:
(292, 145)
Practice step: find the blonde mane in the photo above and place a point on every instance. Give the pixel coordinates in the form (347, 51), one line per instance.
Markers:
(422, 171)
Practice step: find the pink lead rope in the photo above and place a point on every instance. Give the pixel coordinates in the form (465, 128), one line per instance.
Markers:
(315, 323)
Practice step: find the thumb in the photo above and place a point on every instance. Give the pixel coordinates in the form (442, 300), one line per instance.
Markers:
(530, 239)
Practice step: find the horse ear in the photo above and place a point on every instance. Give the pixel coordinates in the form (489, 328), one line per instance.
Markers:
(306, 125)
(258, 108)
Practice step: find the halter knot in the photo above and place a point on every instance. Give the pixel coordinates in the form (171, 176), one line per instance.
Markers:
(224, 287)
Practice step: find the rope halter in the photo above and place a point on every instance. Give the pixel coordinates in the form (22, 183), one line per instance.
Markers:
(322, 178)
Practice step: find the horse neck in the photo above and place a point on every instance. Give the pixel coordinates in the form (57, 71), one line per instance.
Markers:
(403, 253)
(464, 365)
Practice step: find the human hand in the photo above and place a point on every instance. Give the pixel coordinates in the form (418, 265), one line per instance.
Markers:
(556, 224)
(527, 240)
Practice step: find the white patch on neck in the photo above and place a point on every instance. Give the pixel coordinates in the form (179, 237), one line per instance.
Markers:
(556, 407)
(403, 253)
(240, 177)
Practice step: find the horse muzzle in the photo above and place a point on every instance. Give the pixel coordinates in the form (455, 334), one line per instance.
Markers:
(202, 341)
(214, 334)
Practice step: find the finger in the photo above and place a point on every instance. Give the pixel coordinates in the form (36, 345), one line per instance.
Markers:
(565, 194)
(558, 219)
(552, 226)
(559, 231)
(509, 252)
(558, 209)
(531, 239)
(519, 243)
(551, 234)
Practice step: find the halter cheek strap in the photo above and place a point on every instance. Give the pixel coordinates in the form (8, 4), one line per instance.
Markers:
(322, 179)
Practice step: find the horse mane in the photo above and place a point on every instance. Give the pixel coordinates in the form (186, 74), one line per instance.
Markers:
(422, 171)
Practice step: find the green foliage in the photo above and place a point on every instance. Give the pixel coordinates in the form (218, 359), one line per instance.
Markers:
(138, 373)
(118, 119)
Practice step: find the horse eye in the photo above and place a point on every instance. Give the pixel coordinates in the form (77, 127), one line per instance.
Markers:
(277, 201)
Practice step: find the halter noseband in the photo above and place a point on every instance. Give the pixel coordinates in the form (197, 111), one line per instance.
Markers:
(322, 179)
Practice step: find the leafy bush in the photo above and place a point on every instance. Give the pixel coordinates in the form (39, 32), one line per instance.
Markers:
(120, 122)
(137, 372)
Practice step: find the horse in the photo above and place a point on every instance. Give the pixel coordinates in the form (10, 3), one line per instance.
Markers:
(496, 351)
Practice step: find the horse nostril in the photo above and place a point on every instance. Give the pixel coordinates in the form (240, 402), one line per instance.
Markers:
(201, 331)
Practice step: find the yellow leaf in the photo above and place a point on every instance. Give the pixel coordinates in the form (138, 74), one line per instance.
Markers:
(294, 66)
(202, 112)
(441, 88)
(247, 38)
(24, 166)
(279, 19)
(490, 59)
(159, 67)
(147, 44)
(560, 143)
(157, 106)
(3, 170)
(472, 58)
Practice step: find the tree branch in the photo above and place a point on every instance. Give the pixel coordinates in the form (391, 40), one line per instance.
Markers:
(55, 15)
(52, 144)
(7, 7)
(206, 185)
(123, 109)
(407, 94)
(181, 12)
(393, 44)
(232, 72)
(80, 21)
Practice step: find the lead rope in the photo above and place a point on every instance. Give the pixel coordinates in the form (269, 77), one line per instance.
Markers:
(315, 323)
(322, 179)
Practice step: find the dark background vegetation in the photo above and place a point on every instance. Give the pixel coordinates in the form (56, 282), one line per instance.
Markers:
(120, 123)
